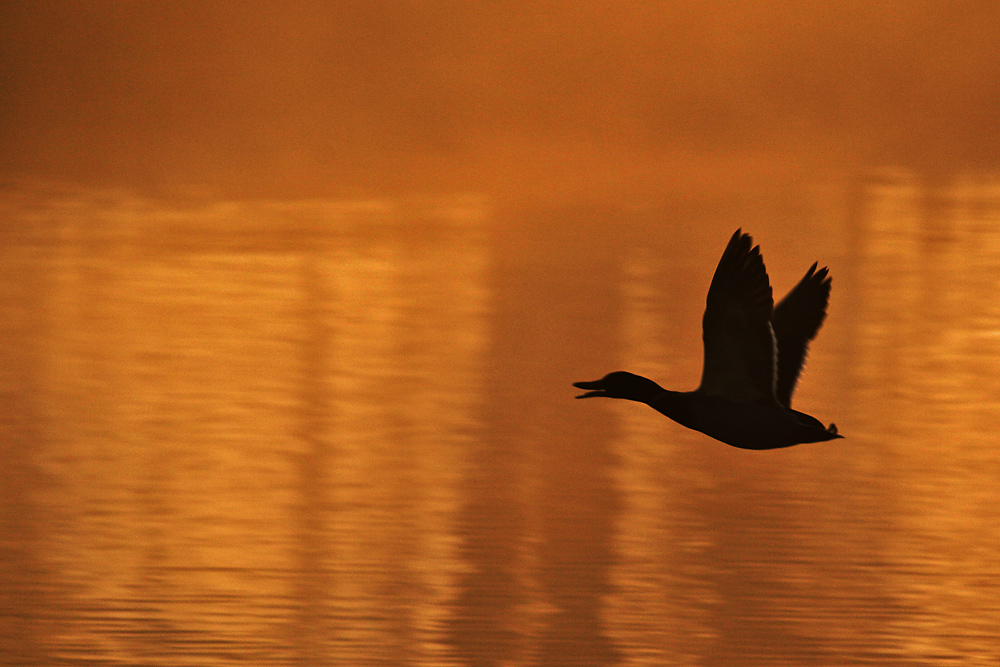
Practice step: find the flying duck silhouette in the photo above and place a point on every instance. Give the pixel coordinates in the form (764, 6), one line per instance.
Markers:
(754, 352)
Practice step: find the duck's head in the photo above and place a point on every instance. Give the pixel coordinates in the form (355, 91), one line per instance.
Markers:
(620, 384)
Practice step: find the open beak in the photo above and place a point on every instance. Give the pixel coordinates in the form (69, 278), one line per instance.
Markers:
(595, 387)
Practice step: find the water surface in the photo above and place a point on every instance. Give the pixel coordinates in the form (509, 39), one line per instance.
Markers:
(343, 433)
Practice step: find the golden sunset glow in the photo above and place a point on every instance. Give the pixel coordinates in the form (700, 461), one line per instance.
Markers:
(293, 295)
(304, 98)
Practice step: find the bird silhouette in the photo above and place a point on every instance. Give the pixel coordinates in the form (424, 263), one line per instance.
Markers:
(754, 352)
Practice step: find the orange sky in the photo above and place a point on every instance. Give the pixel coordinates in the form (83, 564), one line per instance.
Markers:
(302, 94)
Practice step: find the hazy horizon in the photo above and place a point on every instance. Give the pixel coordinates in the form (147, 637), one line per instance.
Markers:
(306, 98)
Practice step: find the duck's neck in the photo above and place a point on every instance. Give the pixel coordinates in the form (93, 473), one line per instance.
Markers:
(674, 404)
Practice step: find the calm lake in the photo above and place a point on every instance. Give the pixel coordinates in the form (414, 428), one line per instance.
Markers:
(343, 433)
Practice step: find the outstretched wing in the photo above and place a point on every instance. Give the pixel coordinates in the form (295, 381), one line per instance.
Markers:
(797, 319)
(736, 329)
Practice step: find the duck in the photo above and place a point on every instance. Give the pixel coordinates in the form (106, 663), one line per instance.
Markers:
(754, 353)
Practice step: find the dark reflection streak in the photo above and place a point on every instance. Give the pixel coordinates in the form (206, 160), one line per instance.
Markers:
(574, 310)
(749, 565)
(23, 287)
(312, 586)
(493, 516)
(153, 583)
(540, 508)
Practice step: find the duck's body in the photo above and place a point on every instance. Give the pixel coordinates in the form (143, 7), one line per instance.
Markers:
(740, 423)
(753, 355)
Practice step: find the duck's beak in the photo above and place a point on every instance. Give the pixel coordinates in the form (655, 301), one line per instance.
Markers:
(596, 387)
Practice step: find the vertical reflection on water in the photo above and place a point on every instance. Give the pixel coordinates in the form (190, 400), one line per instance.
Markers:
(308, 630)
(368, 524)
(942, 558)
(405, 361)
(656, 612)
(25, 620)
(887, 308)
(171, 445)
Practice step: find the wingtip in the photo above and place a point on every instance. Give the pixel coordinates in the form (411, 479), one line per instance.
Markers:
(740, 237)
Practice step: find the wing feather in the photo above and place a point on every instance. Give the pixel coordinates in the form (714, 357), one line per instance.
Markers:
(797, 319)
(740, 355)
